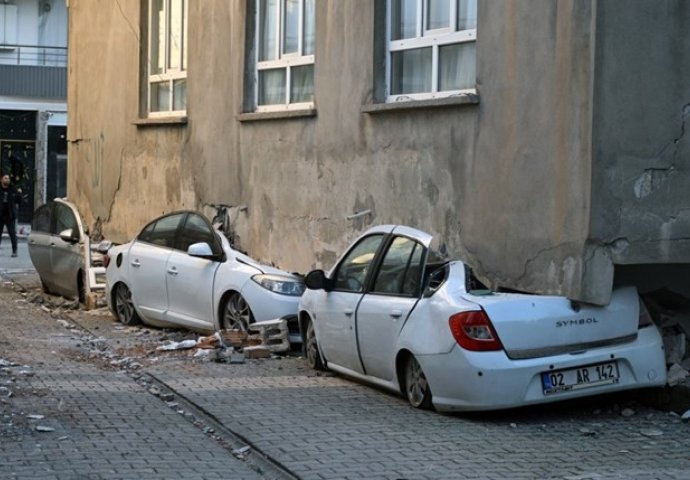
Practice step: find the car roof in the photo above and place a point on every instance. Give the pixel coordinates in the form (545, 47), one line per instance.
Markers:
(422, 237)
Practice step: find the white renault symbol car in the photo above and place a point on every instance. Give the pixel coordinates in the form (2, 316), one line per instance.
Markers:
(394, 312)
(179, 271)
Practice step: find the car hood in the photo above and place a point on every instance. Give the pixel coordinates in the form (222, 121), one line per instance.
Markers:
(538, 325)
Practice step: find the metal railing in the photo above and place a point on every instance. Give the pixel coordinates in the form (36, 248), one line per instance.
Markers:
(35, 55)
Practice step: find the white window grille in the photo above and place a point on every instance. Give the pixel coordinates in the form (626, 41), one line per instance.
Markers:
(431, 48)
(285, 55)
(167, 54)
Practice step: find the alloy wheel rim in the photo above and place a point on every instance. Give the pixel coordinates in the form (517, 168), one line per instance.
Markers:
(416, 383)
(236, 313)
(124, 304)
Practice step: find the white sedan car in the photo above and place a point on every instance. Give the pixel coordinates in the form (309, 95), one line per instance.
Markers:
(397, 314)
(181, 272)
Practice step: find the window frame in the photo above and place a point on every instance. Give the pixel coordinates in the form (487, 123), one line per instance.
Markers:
(284, 61)
(169, 75)
(425, 38)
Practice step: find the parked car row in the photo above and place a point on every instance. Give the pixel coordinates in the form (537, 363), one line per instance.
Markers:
(394, 311)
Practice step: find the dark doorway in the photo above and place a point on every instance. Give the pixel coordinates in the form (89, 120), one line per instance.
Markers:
(56, 175)
(17, 157)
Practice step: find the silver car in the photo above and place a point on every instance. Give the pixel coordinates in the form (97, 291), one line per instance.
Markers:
(60, 250)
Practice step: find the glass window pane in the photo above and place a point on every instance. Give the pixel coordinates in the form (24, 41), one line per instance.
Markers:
(302, 84)
(157, 37)
(272, 86)
(175, 35)
(352, 272)
(268, 40)
(291, 26)
(180, 94)
(403, 19)
(467, 14)
(438, 14)
(391, 275)
(160, 97)
(411, 71)
(309, 22)
(184, 35)
(457, 66)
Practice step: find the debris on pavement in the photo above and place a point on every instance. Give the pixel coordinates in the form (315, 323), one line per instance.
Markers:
(651, 433)
(627, 412)
(686, 416)
(183, 345)
(274, 334)
(242, 452)
(43, 428)
(676, 374)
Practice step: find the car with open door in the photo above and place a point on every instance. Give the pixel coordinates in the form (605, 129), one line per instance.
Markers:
(60, 250)
(396, 312)
(181, 272)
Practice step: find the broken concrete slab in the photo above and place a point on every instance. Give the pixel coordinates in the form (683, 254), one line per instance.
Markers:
(674, 346)
(274, 334)
(676, 374)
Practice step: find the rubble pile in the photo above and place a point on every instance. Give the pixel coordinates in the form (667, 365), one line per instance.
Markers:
(671, 313)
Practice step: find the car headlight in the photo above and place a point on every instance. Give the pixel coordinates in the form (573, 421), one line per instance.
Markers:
(280, 284)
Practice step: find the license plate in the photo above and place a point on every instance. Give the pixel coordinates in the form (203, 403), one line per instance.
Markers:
(559, 381)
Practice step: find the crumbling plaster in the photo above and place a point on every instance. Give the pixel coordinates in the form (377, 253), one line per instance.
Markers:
(514, 183)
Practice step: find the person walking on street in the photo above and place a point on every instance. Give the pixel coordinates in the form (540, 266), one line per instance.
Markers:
(10, 198)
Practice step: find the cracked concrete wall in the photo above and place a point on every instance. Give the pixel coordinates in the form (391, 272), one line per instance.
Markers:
(641, 148)
(119, 172)
(509, 182)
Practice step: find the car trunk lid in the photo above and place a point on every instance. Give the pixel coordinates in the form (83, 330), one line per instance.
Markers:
(532, 326)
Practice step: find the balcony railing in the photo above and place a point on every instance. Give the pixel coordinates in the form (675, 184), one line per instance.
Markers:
(35, 55)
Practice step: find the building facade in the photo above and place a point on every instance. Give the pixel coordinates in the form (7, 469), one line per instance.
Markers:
(33, 99)
(545, 141)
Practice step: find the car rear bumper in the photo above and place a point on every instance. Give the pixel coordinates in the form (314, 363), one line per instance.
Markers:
(462, 380)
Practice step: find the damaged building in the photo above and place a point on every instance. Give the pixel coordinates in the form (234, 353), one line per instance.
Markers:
(545, 141)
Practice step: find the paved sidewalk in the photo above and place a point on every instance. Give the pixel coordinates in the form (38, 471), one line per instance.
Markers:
(63, 417)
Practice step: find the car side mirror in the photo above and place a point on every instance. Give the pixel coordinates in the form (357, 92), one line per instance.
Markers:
(69, 236)
(317, 280)
(202, 250)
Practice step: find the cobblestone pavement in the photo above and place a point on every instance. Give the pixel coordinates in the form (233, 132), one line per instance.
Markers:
(63, 416)
(316, 426)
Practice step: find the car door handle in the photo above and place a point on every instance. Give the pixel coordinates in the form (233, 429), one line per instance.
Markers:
(396, 313)
(136, 264)
(173, 271)
(348, 312)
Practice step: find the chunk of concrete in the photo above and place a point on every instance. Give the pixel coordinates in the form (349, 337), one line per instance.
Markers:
(676, 374)
(674, 346)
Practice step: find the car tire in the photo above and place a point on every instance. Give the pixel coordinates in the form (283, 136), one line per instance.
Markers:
(236, 314)
(416, 386)
(124, 306)
(311, 348)
(81, 288)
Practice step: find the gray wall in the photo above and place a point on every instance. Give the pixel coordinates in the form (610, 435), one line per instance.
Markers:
(506, 180)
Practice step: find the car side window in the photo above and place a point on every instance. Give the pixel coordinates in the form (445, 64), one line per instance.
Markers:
(195, 230)
(162, 231)
(65, 219)
(352, 271)
(41, 220)
(401, 269)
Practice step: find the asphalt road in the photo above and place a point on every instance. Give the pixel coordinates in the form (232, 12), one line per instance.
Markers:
(112, 406)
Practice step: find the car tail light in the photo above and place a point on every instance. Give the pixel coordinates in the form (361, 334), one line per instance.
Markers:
(106, 260)
(473, 331)
(645, 319)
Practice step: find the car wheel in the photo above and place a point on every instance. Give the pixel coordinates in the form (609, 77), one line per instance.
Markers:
(236, 313)
(124, 306)
(312, 348)
(416, 386)
(81, 288)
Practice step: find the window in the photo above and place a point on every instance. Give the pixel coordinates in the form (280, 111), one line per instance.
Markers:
(431, 48)
(162, 231)
(65, 220)
(195, 230)
(284, 55)
(400, 271)
(352, 272)
(41, 220)
(167, 55)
